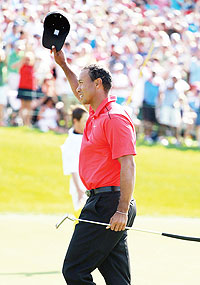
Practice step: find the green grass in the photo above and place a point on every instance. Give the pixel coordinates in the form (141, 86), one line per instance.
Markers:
(31, 177)
(168, 181)
(31, 172)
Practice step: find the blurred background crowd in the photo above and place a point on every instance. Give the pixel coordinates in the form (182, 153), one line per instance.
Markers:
(152, 49)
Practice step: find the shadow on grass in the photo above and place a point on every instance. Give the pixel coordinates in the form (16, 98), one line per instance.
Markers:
(28, 274)
(140, 141)
(35, 130)
(170, 146)
(184, 148)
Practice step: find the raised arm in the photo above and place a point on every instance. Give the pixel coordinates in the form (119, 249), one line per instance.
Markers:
(72, 78)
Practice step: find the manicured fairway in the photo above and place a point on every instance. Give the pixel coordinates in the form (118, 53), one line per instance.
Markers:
(168, 181)
(32, 251)
(32, 180)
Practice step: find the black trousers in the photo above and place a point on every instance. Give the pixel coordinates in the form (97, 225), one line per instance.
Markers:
(92, 246)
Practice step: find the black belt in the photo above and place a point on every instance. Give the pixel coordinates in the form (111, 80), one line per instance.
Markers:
(102, 190)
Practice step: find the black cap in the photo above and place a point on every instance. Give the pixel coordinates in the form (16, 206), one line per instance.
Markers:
(56, 29)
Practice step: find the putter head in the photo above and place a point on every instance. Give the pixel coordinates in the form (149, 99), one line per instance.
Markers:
(67, 216)
(71, 218)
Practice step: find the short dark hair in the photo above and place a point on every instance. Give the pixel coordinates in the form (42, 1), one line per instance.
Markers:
(77, 113)
(96, 71)
(49, 99)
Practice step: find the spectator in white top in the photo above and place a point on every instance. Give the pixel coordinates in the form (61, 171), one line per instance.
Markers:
(121, 84)
(48, 116)
(70, 157)
(170, 112)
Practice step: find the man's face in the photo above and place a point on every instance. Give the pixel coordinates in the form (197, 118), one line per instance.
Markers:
(174, 79)
(86, 88)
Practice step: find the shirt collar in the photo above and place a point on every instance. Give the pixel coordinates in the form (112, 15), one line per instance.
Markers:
(101, 106)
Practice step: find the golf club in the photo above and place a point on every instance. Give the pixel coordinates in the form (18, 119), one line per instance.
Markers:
(72, 218)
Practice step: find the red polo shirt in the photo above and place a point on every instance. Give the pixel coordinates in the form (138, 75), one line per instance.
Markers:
(109, 134)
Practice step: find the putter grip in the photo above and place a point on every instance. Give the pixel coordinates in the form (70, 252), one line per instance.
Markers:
(181, 237)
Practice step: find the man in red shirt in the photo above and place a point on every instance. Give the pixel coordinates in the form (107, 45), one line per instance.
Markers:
(107, 169)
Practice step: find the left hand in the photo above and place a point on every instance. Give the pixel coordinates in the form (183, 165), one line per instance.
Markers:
(59, 56)
(118, 222)
(81, 194)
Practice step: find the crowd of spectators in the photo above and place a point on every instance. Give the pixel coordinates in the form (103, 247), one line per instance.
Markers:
(152, 49)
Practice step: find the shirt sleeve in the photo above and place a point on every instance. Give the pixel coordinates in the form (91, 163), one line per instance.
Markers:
(121, 136)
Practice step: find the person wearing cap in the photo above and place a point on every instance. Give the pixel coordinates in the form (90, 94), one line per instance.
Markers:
(170, 111)
(121, 83)
(107, 169)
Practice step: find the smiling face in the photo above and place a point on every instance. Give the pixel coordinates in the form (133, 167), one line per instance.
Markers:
(86, 88)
